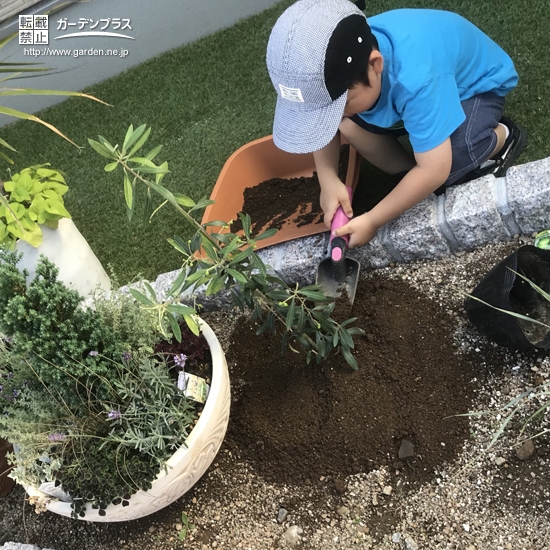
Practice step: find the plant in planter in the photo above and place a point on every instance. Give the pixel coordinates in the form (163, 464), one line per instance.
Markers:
(100, 427)
(226, 261)
(33, 219)
(19, 224)
(511, 306)
(33, 197)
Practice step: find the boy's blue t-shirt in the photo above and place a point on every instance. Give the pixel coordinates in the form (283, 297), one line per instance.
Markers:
(433, 60)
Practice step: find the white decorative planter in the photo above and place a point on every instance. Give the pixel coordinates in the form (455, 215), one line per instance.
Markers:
(186, 466)
(65, 246)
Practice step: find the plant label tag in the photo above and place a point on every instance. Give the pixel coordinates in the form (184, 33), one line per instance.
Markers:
(193, 386)
(50, 489)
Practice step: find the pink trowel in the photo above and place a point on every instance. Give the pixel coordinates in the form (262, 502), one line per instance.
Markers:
(337, 274)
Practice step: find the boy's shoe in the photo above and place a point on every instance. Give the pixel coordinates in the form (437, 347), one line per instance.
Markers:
(512, 148)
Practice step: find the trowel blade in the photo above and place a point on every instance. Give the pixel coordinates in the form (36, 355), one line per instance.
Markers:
(335, 282)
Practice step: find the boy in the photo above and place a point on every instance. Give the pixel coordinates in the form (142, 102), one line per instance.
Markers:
(433, 70)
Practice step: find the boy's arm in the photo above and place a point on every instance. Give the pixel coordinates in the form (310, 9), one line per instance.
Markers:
(431, 170)
(333, 191)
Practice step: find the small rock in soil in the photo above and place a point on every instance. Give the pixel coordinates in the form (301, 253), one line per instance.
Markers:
(340, 486)
(292, 535)
(525, 450)
(396, 537)
(499, 461)
(387, 490)
(343, 511)
(397, 465)
(406, 450)
(282, 515)
(410, 544)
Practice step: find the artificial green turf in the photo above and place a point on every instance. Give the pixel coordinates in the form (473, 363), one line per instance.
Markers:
(206, 99)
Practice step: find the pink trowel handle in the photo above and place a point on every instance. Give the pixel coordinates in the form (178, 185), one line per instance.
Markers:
(339, 244)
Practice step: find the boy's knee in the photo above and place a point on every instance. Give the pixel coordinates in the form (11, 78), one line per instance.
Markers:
(347, 127)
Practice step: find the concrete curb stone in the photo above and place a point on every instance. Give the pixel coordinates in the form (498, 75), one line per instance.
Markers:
(529, 195)
(467, 216)
(463, 214)
(416, 234)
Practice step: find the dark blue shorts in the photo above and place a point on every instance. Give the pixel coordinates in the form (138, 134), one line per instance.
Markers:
(472, 142)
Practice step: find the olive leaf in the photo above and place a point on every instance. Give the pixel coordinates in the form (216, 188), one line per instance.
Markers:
(218, 260)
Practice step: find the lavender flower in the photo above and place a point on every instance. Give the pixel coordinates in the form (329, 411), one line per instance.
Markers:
(56, 437)
(114, 415)
(93, 353)
(180, 360)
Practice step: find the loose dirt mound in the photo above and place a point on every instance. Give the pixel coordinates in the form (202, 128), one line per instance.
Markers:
(295, 423)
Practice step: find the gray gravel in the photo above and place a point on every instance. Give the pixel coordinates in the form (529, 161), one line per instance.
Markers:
(484, 500)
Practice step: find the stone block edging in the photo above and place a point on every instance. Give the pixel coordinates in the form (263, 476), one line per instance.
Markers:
(467, 216)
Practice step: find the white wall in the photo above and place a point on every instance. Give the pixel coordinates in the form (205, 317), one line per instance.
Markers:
(157, 26)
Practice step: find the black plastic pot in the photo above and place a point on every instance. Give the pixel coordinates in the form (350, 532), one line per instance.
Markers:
(503, 288)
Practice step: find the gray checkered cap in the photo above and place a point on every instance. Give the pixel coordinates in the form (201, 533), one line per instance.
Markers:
(306, 118)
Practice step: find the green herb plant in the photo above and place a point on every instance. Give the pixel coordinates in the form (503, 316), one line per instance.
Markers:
(83, 397)
(224, 261)
(139, 425)
(187, 527)
(33, 197)
(542, 239)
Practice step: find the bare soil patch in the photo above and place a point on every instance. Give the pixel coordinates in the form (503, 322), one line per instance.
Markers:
(297, 423)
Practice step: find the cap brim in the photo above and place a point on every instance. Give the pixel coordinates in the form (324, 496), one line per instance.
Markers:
(301, 131)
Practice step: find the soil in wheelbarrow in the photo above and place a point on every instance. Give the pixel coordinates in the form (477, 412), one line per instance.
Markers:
(275, 201)
(297, 423)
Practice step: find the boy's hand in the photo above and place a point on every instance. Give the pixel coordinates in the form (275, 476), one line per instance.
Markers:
(360, 230)
(431, 170)
(333, 191)
(332, 196)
